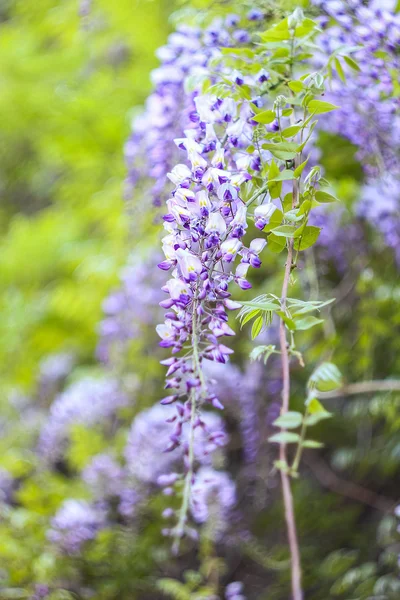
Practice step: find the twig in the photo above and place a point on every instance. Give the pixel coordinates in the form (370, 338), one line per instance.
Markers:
(285, 480)
(363, 387)
(356, 492)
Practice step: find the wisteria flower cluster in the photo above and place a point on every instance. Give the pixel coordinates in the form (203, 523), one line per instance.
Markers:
(75, 523)
(366, 90)
(128, 309)
(126, 486)
(369, 110)
(169, 109)
(219, 188)
(86, 402)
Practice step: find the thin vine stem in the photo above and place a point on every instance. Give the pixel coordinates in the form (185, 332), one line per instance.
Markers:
(285, 479)
(297, 591)
(363, 387)
(180, 527)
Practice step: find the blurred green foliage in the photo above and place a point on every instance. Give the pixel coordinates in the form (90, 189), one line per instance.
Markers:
(68, 83)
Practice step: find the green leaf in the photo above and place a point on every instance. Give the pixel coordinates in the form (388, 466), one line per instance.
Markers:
(290, 420)
(298, 171)
(257, 327)
(299, 231)
(283, 154)
(306, 307)
(307, 323)
(293, 215)
(312, 444)
(264, 305)
(339, 70)
(305, 27)
(274, 221)
(305, 207)
(295, 100)
(263, 352)
(308, 237)
(265, 117)
(287, 202)
(279, 32)
(284, 437)
(316, 412)
(285, 175)
(286, 231)
(274, 188)
(248, 317)
(291, 131)
(352, 63)
(324, 197)
(275, 243)
(282, 150)
(319, 106)
(247, 52)
(296, 86)
(314, 419)
(325, 378)
(287, 320)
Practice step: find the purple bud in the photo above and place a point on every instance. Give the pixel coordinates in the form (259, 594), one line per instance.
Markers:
(167, 480)
(255, 261)
(167, 303)
(217, 404)
(165, 265)
(232, 305)
(255, 15)
(169, 399)
(243, 283)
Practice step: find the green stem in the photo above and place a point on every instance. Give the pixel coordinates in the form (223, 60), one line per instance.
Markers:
(261, 191)
(299, 451)
(180, 527)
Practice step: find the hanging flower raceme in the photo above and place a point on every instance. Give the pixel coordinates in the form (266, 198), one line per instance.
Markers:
(224, 177)
(205, 224)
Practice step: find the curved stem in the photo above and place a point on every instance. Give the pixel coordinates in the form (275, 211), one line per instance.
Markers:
(290, 519)
(180, 527)
(285, 480)
(330, 480)
(363, 387)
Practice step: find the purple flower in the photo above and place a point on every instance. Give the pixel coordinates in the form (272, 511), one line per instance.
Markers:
(130, 308)
(212, 498)
(255, 15)
(104, 476)
(87, 402)
(150, 436)
(233, 591)
(6, 486)
(75, 523)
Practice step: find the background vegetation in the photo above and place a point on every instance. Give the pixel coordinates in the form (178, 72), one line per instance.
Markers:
(71, 77)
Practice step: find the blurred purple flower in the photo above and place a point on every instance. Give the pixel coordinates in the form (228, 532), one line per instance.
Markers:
(87, 402)
(75, 523)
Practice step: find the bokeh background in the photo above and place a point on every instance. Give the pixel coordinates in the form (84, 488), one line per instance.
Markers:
(72, 77)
